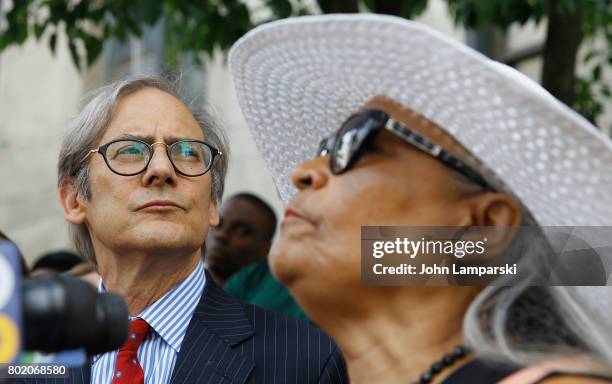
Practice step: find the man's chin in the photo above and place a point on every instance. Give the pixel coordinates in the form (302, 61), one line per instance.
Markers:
(167, 239)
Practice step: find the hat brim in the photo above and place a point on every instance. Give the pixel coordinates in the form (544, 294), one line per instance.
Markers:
(298, 79)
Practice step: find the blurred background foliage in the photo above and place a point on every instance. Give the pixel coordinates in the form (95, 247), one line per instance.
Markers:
(199, 26)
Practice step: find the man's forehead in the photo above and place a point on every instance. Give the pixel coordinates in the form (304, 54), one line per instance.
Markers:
(238, 205)
(152, 138)
(153, 114)
(242, 209)
(151, 96)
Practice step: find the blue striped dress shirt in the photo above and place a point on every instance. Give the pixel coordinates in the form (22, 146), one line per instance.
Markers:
(168, 319)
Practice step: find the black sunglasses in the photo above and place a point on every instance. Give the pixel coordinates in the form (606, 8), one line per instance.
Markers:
(347, 145)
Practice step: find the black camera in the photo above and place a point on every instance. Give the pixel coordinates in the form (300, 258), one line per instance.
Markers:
(64, 312)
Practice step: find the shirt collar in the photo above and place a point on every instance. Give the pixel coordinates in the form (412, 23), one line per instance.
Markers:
(170, 315)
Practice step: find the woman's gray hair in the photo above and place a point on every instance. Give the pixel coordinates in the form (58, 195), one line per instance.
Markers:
(530, 322)
(86, 130)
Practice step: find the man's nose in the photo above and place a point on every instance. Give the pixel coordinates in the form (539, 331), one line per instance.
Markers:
(312, 173)
(160, 170)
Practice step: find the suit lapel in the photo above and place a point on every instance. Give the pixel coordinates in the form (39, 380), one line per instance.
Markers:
(218, 324)
(80, 375)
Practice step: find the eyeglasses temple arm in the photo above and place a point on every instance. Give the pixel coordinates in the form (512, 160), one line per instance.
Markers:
(435, 150)
(89, 153)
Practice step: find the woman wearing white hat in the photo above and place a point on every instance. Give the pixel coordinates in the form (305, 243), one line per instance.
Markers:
(430, 133)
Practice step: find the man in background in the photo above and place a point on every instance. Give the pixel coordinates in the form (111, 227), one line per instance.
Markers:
(237, 254)
(243, 236)
(55, 262)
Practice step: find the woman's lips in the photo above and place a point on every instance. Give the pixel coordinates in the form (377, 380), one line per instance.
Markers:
(293, 215)
(291, 212)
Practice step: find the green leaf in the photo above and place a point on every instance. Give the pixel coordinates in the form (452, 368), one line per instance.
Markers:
(38, 31)
(94, 48)
(590, 55)
(4, 41)
(106, 31)
(413, 8)
(150, 11)
(597, 72)
(369, 4)
(74, 54)
(53, 42)
(134, 28)
(121, 33)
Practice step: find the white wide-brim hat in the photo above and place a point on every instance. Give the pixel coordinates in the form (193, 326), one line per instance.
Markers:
(298, 79)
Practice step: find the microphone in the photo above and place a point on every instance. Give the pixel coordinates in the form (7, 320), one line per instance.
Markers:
(63, 313)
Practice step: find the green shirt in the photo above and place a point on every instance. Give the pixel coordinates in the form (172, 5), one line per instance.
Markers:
(255, 284)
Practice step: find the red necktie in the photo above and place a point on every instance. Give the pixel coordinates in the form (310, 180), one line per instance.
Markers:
(127, 368)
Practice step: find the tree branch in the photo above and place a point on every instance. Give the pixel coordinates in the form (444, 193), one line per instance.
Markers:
(562, 42)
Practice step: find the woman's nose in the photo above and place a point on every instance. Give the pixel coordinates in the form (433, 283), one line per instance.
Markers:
(312, 173)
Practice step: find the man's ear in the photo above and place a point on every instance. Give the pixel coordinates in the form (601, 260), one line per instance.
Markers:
(72, 202)
(213, 214)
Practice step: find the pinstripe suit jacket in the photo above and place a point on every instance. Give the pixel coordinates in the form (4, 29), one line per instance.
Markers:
(231, 342)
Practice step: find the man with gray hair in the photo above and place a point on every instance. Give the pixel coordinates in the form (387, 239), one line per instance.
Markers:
(140, 179)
